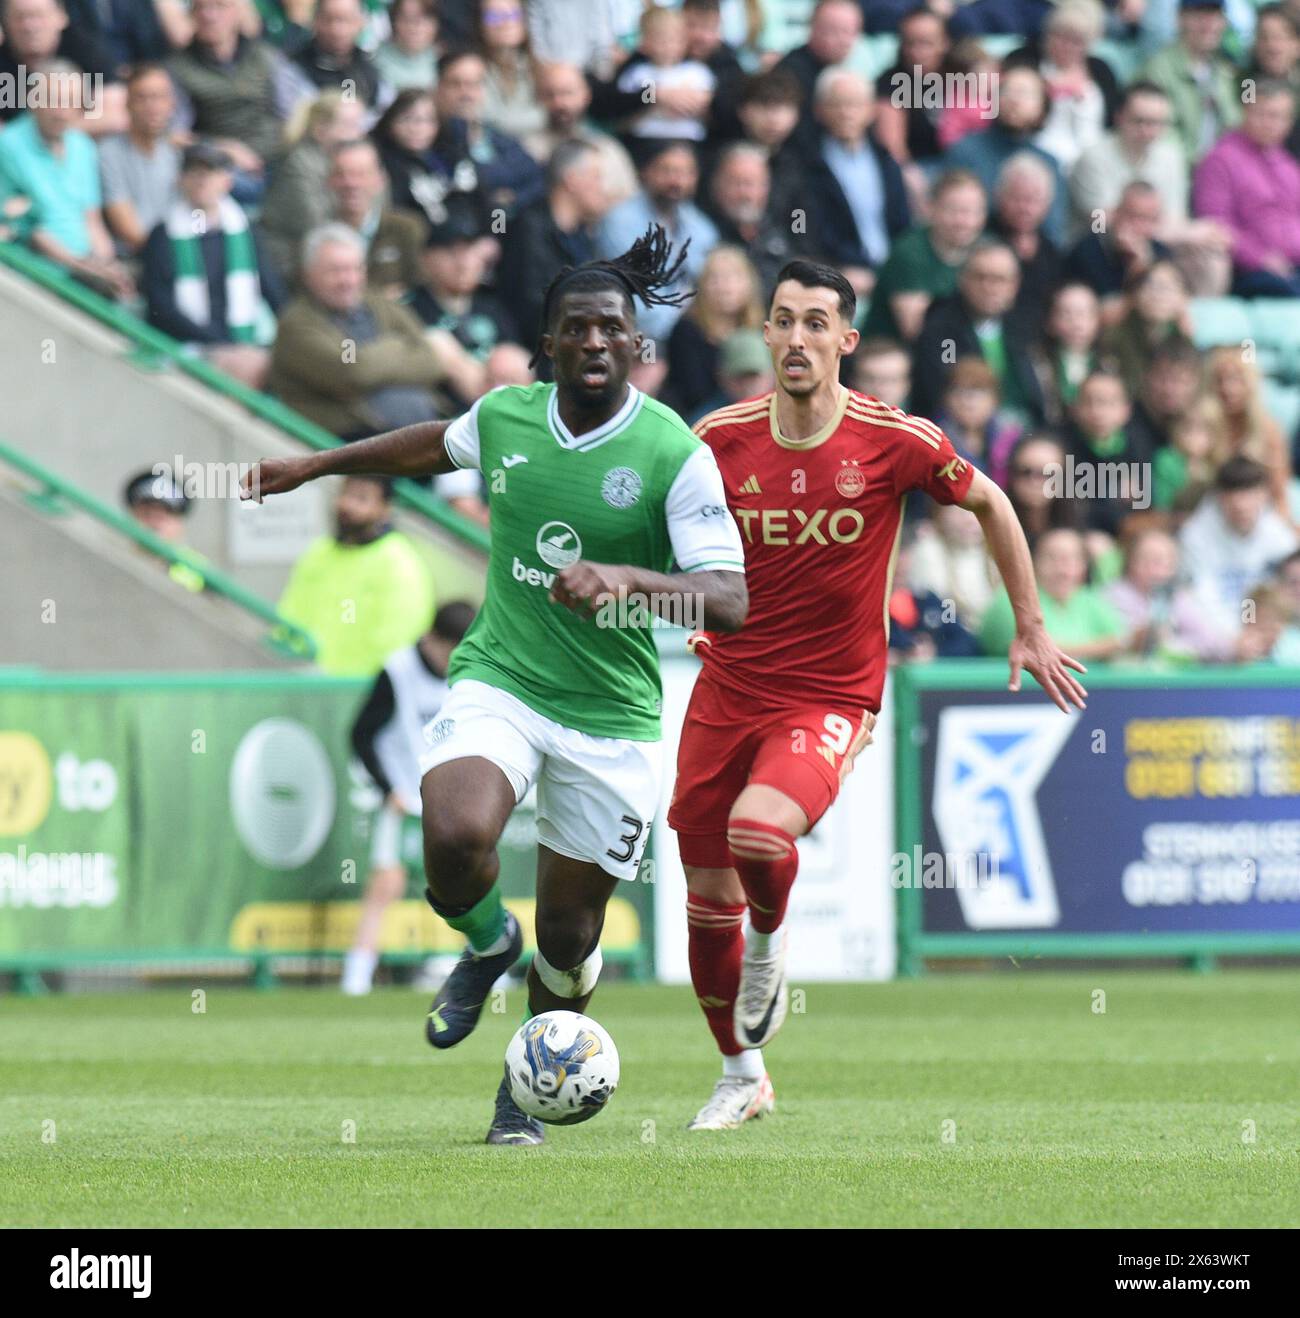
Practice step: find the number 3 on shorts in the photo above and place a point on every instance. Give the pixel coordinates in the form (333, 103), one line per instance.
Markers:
(628, 841)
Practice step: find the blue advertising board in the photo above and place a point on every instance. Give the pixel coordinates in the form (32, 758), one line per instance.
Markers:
(1165, 818)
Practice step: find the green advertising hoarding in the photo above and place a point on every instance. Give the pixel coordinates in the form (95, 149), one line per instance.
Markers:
(147, 817)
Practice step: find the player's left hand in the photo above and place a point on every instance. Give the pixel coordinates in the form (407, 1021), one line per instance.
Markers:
(583, 587)
(1037, 654)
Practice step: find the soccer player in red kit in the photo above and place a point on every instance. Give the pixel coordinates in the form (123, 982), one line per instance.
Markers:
(816, 475)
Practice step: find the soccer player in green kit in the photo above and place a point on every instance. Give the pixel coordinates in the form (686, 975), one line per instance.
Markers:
(594, 492)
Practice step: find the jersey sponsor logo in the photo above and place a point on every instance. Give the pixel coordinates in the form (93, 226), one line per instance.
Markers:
(513, 460)
(751, 486)
(953, 469)
(558, 545)
(621, 487)
(821, 526)
(712, 510)
(850, 480)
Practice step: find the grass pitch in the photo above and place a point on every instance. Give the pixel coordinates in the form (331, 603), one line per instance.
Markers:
(1175, 1107)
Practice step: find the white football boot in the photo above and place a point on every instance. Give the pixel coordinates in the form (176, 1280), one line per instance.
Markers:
(735, 1100)
(762, 998)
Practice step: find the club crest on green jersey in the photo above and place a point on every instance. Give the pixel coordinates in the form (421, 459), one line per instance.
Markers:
(621, 487)
(558, 545)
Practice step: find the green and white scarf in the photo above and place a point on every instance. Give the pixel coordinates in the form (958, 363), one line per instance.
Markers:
(248, 317)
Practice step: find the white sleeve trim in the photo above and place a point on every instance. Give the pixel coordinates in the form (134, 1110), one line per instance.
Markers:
(460, 439)
(703, 532)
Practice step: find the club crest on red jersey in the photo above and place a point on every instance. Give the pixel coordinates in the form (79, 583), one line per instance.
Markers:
(850, 480)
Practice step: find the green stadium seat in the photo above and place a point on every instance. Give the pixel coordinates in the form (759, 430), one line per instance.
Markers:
(1283, 404)
(1217, 320)
(1275, 327)
(1123, 58)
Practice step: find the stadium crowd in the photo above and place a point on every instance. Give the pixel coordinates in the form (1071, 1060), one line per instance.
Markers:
(1074, 231)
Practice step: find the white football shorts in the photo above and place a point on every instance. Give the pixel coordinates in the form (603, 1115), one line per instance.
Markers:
(596, 796)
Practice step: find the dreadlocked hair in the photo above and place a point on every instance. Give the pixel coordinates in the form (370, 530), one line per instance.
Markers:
(642, 272)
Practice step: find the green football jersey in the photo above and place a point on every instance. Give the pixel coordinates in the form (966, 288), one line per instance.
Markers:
(640, 490)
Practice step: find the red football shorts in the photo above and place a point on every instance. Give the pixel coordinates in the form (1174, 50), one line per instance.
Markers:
(729, 741)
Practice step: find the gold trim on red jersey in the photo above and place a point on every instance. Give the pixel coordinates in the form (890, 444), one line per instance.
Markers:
(913, 425)
(813, 440)
(893, 563)
(749, 410)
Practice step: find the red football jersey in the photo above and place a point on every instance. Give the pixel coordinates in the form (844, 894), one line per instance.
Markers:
(821, 520)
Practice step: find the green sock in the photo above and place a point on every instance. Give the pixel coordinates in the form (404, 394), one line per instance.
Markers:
(484, 922)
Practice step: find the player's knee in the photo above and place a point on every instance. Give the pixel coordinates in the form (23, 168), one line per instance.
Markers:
(756, 842)
(455, 845)
(566, 938)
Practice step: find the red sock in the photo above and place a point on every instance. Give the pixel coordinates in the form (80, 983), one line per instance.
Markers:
(715, 943)
(766, 860)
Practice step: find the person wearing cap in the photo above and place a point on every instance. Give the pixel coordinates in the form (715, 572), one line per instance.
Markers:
(1202, 84)
(744, 371)
(157, 502)
(206, 279)
(451, 298)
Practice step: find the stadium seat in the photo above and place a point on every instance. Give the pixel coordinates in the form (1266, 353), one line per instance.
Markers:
(1283, 404)
(1123, 58)
(1217, 320)
(1275, 327)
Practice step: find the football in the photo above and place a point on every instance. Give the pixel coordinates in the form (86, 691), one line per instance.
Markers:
(562, 1067)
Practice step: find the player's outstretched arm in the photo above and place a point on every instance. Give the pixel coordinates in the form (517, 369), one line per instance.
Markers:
(411, 451)
(1032, 649)
(716, 601)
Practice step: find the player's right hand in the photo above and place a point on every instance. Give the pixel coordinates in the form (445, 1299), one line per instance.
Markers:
(272, 476)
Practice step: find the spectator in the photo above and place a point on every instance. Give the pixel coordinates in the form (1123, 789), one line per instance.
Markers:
(1022, 109)
(1163, 618)
(905, 126)
(1250, 183)
(922, 626)
(980, 320)
(924, 262)
(393, 239)
(420, 181)
(1170, 386)
(139, 168)
(205, 280)
(566, 98)
(1125, 247)
(508, 176)
(159, 504)
(833, 30)
(410, 58)
(1082, 90)
(387, 737)
(1158, 314)
(1245, 427)
(584, 31)
(1182, 472)
(36, 31)
(968, 415)
(364, 592)
(298, 199)
(672, 93)
(511, 104)
(1022, 198)
(705, 44)
(1275, 57)
(1111, 461)
(235, 91)
(1287, 650)
(451, 296)
(949, 559)
(857, 201)
(668, 181)
(557, 231)
(744, 371)
(882, 369)
(740, 205)
(1078, 617)
(728, 298)
(1201, 84)
(1067, 352)
(133, 32)
(350, 360)
(767, 109)
(47, 161)
(967, 114)
(1232, 541)
(332, 60)
(1035, 490)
